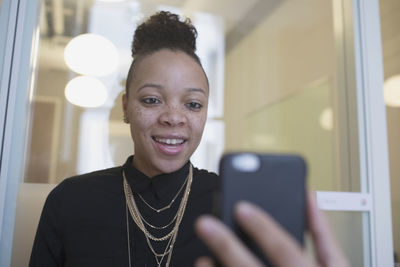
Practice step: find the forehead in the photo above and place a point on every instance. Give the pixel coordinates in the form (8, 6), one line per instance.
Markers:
(167, 67)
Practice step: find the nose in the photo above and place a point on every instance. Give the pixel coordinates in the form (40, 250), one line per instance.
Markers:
(173, 116)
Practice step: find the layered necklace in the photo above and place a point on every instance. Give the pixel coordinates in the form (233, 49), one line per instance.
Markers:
(140, 221)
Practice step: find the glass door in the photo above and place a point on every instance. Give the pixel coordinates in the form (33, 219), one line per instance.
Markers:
(285, 76)
(292, 87)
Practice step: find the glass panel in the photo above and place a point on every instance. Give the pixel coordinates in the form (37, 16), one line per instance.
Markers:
(292, 125)
(284, 93)
(354, 240)
(391, 61)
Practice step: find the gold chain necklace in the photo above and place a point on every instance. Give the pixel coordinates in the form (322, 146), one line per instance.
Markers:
(136, 215)
(159, 227)
(129, 243)
(134, 212)
(137, 218)
(169, 205)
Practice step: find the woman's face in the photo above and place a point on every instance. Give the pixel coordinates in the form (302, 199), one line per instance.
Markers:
(167, 110)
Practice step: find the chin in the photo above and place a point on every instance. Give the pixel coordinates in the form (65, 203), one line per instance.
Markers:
(172, 165)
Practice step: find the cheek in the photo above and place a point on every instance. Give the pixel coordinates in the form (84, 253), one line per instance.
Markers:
(198, 125)
(140, 120)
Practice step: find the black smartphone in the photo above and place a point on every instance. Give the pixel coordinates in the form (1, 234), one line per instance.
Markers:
(275, 182)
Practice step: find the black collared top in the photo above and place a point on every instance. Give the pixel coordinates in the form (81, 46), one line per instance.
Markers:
(83, 222)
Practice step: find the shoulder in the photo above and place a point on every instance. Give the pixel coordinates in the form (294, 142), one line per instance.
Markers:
(84, 183)
(82, 194)
(204, 174)
(93, 177)
(206, 180)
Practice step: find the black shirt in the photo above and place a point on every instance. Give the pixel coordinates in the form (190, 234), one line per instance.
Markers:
(83, 222)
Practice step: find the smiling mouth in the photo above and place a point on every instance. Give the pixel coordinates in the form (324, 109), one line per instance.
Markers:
(169, 141)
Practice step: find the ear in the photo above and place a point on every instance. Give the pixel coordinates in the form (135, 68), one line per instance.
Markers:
(125, 105)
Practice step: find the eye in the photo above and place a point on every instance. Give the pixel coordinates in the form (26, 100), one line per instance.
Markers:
(194, 106)
(151, 101)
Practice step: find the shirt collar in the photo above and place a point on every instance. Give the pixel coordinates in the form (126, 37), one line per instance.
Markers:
(165, 185)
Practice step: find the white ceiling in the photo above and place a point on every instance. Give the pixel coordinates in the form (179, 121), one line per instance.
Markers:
(62, 19)
(232, 11)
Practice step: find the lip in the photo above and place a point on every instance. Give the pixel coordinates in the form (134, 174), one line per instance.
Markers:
(169, 149)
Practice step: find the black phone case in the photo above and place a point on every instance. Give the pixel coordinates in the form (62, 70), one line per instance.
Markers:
(277, 186)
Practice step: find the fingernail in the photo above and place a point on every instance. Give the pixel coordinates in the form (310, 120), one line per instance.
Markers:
(206, 225)
(245, 209)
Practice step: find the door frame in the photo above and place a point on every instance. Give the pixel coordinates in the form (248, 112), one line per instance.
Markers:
(21, 31)
(374, 155)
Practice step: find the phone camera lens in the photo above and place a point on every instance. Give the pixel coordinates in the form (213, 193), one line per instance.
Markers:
(246, 162)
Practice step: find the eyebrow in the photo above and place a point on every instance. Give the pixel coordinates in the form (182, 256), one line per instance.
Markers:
(196, 90)
(157, 86)
(160, 87)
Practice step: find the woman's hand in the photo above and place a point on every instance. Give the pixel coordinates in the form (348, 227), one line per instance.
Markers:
(282, 250)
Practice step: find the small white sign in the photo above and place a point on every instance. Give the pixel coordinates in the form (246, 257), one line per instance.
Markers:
(343, 201)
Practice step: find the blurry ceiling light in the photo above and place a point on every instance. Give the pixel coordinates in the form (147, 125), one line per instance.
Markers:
(86, 92)
(111, 1)
(392, 91)
(326, 119)
(91, 54)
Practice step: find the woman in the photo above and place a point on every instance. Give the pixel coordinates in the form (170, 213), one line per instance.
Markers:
(141, 214)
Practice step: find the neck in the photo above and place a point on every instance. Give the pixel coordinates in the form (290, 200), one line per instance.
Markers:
(145, 168)
(151, 171)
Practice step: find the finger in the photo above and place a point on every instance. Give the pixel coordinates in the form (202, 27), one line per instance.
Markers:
(226, 246)
(327, 250)
(204, 262)
(281, 249)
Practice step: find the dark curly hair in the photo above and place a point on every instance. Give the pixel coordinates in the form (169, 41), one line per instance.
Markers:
(162, 30)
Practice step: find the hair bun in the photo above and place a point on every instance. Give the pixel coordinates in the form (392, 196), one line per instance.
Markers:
(164, 30)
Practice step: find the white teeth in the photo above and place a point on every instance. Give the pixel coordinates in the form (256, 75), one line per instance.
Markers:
(170, 141)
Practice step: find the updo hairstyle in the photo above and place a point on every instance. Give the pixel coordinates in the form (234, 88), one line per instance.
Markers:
(162, 30)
